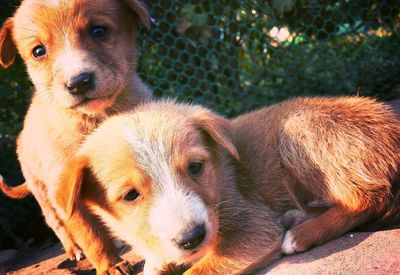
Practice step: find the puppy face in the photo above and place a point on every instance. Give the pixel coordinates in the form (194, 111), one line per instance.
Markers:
(79, 53)
(156, 179)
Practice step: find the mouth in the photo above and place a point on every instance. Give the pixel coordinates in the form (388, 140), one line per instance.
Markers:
(97, 104)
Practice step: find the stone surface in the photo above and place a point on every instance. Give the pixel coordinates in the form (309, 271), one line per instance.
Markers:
(355, 253)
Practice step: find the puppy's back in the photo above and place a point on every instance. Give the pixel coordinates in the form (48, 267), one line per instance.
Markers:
(348, 140)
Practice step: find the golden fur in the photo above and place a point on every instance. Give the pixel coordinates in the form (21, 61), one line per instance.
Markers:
(59, 118)
(279, 162)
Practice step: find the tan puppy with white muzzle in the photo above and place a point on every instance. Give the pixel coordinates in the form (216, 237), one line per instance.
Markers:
(81, 58)
(183, 185)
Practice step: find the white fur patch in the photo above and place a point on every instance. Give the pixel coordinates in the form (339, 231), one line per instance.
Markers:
(53, 3)
(79, 256)
(289, 245)
(153, 157)
(71, 61)
(175, 212)
(152, 266)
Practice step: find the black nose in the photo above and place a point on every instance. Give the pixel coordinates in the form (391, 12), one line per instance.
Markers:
(81, 83)
(193, 238)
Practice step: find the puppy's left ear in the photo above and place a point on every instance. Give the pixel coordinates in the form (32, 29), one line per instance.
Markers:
(140, 9)
(69, 186)
(7, 46)
(219, 129)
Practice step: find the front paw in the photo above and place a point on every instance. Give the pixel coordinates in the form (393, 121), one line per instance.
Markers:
(122, 268)
(73, 252)
(291, 244)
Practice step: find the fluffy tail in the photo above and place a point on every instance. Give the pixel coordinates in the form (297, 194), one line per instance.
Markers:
(392, 215)
(17, 192)
(389, 216)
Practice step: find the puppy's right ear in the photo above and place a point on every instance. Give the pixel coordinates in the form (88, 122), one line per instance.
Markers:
(141, 11)
(7, 46)
(218, 128)
(69, 186)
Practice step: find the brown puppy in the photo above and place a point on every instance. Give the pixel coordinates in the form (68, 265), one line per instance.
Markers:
(80, 56)
(183, 185)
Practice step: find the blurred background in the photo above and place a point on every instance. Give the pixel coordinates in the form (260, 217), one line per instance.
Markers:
(232, 56)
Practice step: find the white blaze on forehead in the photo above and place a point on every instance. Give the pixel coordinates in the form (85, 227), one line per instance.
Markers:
(71, 61)
(153, 157)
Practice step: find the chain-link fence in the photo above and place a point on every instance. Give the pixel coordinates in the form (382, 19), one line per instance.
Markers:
(235, 56)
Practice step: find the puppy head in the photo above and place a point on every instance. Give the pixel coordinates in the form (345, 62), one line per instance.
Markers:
(80, 54)
(158, 173)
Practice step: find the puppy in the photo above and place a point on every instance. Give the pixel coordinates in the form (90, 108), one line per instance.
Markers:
(183, 185)
(81, 58)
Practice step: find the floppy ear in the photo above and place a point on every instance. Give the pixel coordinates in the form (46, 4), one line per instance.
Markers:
(7, 46)
(140, 10)
(69, 186)
(219, 129)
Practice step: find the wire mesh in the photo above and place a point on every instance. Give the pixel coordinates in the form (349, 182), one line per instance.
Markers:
(235, 56)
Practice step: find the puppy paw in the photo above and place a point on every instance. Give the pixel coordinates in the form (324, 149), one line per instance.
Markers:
(74, 252)
(122, 268)
(294, 242)
(291, 244)
(288, 244)
(79, 255)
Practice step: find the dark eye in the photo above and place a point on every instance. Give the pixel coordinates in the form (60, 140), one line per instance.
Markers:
(195, 169)
(98, 32)
(39, 51)
(131, 195)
